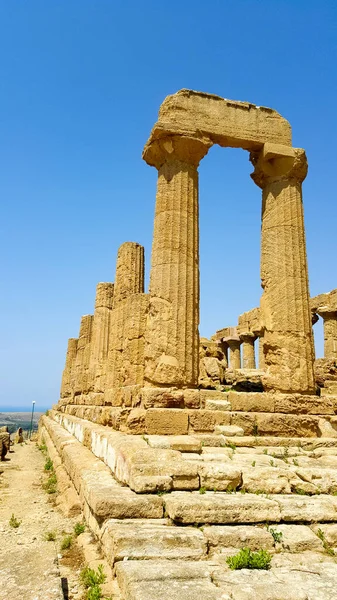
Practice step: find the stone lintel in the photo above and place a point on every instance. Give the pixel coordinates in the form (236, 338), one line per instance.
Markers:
(217, 120)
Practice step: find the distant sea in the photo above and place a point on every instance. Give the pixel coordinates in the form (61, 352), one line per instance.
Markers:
(23, 408)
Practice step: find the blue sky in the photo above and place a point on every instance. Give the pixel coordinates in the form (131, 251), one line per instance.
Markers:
(80, 87)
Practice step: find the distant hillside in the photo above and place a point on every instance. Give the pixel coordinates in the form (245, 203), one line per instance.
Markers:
(14, 420)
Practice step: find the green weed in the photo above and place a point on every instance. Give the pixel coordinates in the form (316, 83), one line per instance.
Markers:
(92, 581)
(325, 543)
(66, 542)
(246, 559)
(14, 522)
(79, 528)
(49, 465)
(50, 485)
(277, 535)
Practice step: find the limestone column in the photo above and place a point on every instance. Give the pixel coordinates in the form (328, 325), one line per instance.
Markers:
(172, 337)
(248, 350)
(100, 335)
(83, 355)
(261, 352)
(129, 271)
(288, 347)
(330, 332)
(66, 387)
(224, 349)
(129, 282)
(234, 352)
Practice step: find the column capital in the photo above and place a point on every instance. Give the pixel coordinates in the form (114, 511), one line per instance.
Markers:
(276, 162)
(247, 336)
(232, 341)
(175, 147)
(326, 312)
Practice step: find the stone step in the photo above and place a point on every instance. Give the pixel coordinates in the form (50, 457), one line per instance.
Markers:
(222, 539)
(148, 541)
(131, 460)
(166, 580)
(252, 441)
(314, 421)
(264, 402)
(143, 464)
(309, 576)
(222, 508)
(105, 497)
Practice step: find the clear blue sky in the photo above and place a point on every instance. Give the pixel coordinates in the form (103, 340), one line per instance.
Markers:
(81, 83)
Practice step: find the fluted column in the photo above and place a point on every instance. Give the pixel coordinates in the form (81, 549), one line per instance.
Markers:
(279, 171)
(261, 352)
(129, 271)
(83, 355)
(66, 384)
(234, 352)
(330, 332)
(100, 335)
(248, 350)
(129, 286)
(172, 337)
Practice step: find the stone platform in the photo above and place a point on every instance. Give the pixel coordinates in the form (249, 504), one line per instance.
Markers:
(168, 510)
(167, 411)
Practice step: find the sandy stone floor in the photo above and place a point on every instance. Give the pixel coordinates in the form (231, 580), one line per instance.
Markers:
(32, 568)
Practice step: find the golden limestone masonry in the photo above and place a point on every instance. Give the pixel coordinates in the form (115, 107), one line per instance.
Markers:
(157, 430)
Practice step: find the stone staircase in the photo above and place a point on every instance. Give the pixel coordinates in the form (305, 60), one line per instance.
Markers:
(169, 510)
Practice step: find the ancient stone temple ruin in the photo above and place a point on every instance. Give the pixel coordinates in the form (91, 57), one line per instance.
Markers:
(157, 430)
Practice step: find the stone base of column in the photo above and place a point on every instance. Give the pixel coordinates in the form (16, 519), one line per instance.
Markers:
(191, 412)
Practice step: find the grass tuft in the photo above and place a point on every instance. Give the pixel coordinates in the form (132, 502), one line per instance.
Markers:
(92, 581)
(277, 535)
(50, 485)
(246, 559)
(66, 542)
(325, 543)
(14, 522)
(49, 465)
(79, 528)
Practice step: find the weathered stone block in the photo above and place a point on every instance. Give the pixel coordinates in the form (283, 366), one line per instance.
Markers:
(228, 430)
(220, 508)
(299, 538)
(192, 398)
(182, 443)
(206, 420)
(166, 421)
(251, 401)
(302, 404)
(135, 422)
(219, 476)
(311, 509)
(271, 480)
(141, 542)
(276, 424)
(217, 405)
(162, 398)
(238, 536)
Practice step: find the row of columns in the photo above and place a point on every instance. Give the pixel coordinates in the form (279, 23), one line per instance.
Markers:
(114, 335)
(240, 351)
(172, 333)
